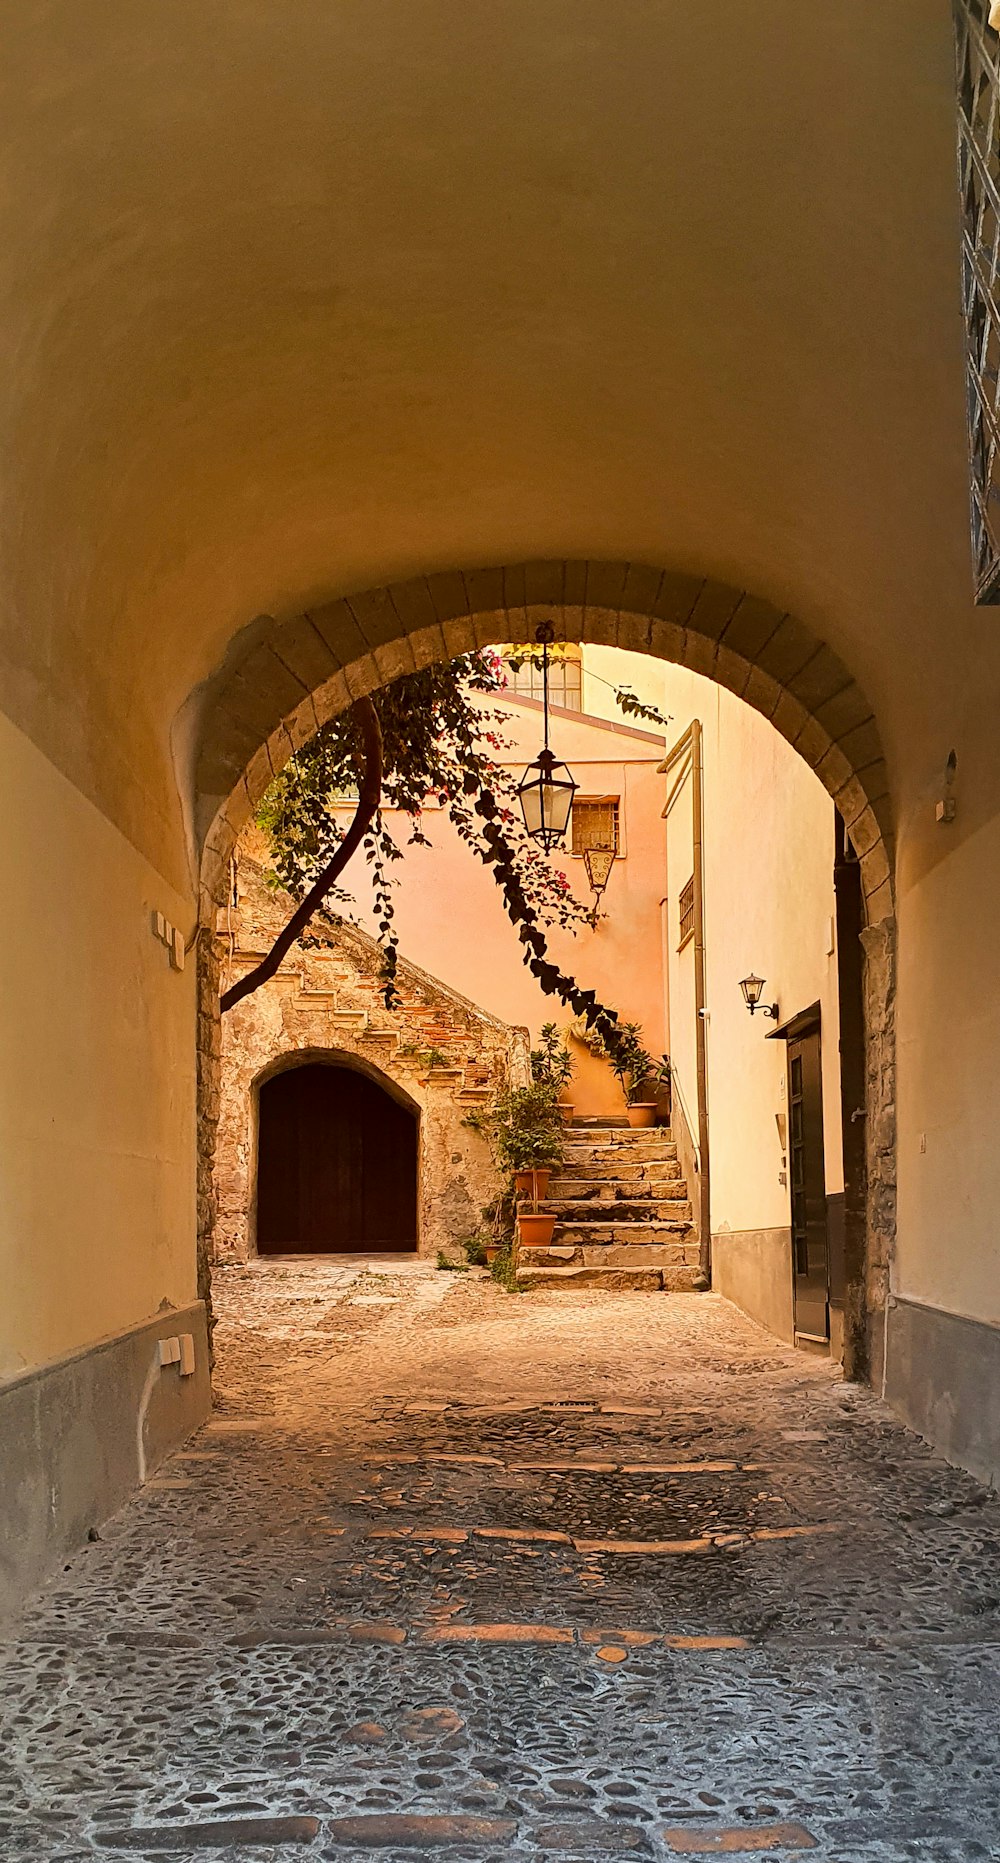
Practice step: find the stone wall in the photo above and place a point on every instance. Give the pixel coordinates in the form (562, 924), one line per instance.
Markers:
(434, 1049)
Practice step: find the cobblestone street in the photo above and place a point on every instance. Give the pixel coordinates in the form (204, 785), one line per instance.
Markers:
(567, 1576)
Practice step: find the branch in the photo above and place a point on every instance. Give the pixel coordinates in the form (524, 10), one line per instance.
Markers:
(366, 718)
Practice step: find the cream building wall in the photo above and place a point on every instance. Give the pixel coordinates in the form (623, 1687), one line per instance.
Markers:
(768, 837)
(97, 1170)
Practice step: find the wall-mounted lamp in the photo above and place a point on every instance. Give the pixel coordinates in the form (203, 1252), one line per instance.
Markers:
(751, 987)
(598, 862)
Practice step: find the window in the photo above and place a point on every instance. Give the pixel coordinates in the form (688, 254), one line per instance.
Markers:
(524, 674)
(978, 49)
(687, 913)
(595, 823)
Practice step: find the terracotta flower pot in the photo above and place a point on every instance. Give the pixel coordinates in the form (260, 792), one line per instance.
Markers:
(642, 1114)
(491, 1250)
(533, 1184)
(534, 1229)
(567, 1108)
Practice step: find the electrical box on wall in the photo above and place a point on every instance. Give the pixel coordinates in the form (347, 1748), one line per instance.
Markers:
(173, 939)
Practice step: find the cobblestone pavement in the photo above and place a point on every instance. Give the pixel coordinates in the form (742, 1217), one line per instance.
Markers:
(560, 1577)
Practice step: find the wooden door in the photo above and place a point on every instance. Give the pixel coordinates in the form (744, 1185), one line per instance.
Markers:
(336, 1165)
(807, 1176)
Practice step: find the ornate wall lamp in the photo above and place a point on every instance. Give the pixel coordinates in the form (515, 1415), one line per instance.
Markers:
(598, 862)
(752, 987)
(547, 788)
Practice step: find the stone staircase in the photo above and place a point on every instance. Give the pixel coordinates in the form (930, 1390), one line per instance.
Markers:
(623, 1215)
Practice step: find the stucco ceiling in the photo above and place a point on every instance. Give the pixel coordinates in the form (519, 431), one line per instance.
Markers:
(306, 297)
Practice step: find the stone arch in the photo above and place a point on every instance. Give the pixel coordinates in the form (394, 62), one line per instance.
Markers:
(340, 1056)
(283, 680)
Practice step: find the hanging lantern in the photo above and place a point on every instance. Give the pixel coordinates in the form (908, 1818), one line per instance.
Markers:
(547, 788)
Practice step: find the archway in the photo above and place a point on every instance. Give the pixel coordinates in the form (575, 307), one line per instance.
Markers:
(283, 679)
(336, 1164)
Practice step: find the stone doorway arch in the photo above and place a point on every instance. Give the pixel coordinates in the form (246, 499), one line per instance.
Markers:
(283, 679)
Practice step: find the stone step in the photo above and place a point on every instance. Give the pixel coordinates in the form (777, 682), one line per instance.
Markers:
(618, 1128)
(679, 1254)
(613, 1280)
(654, 1171)
(655, 1144)
(579, 1210)
(617, 1135)
(613, 1190)
(625, 1235)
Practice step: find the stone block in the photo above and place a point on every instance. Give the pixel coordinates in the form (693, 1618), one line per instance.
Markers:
(699, 653)
(641, 589)
(605, 585)
(515, 600)
(713, 610)
(337, 626)
(762, 692)
(543, 583)
(304, 651)
(751, 625)
(862, 746)
(822, 678)
(788, 651)
(789, 717)
(732, 670)
(449, 595)
(676, 598)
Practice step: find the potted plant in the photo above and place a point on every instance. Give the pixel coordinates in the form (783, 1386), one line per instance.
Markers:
(637, 1071)
(552, 1067)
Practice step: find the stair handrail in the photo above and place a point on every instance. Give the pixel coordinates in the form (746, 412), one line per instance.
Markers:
(692, 1126)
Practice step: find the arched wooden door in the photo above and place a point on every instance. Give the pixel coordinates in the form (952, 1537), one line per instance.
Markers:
(336, 1165)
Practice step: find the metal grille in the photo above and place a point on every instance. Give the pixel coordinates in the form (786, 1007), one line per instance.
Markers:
(687, 913)
(595, 823)
(978, 48)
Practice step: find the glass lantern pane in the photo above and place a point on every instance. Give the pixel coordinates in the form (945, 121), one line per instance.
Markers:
(531, 807)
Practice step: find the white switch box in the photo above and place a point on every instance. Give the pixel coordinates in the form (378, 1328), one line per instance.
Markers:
(170, 1351)
(176, 948)
(186, 1344)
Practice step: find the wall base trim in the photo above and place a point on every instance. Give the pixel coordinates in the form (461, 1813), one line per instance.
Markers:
(942, 1376)
(753, 1269)
(77, 1437)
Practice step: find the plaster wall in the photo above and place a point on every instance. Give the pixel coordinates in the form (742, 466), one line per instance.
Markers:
(450, 915)
(948, 1022)
(769, 907)
(97, 1089)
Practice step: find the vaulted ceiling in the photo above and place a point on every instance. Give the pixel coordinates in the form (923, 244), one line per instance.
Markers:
(304, 298)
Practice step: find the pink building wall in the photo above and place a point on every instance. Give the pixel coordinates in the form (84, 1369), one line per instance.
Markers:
(450, 915)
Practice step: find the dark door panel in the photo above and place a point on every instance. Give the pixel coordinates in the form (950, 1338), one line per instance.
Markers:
(807, 1179)
(336, 1165)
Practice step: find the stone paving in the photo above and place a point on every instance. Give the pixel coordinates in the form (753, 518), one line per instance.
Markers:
(560, 1577)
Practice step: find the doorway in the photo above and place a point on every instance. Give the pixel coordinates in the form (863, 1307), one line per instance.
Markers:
(336, 1165)
(807, 1173)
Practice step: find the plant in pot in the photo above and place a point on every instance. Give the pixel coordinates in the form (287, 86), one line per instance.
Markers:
(524, 1128)
(552, 1067)
(637, 1072)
